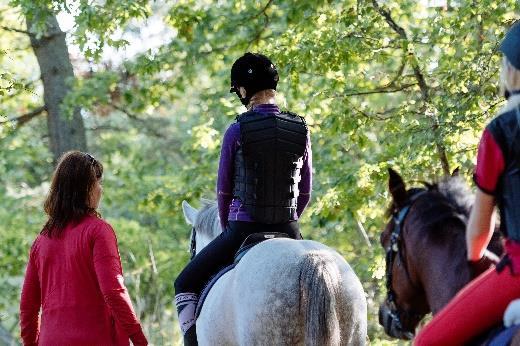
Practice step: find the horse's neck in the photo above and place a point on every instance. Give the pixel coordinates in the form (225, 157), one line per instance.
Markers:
(208, 235)
(445, 273)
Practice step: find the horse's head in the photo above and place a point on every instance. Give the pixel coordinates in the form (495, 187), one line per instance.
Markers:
(405, 304)
(425, 248)
(205, 224)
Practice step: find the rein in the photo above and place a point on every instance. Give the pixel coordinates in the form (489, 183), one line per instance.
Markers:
(392, 251)
(193, 243)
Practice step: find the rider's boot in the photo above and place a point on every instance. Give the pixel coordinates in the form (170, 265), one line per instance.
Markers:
(186, 304)
(190, 337)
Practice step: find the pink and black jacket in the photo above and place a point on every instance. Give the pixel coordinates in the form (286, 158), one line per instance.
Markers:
(498, 173)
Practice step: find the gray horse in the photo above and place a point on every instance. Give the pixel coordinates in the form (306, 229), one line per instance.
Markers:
(282, 292)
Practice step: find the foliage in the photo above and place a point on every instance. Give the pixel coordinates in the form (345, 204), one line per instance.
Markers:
(380, 83)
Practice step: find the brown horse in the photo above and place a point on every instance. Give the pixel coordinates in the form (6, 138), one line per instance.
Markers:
(426, 251)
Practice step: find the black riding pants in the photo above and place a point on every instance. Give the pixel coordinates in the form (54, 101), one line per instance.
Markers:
(221, 252)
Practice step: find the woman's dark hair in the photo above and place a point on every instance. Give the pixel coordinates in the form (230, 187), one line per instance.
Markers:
(70, 191)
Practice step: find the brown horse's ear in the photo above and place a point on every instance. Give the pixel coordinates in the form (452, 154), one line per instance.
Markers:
(397, 187)
(456, 172)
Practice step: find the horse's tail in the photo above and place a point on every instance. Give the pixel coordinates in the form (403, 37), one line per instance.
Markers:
(319, 286)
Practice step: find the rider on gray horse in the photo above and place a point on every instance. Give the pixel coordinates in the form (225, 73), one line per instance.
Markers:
(264, 180)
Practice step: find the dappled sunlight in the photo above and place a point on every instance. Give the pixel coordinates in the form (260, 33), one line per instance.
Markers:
(205, 136)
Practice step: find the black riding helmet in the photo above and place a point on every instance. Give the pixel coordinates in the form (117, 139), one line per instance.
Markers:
(254, 72)
(510, 47)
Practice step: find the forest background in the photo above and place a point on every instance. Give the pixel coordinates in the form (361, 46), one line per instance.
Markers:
(144, 86)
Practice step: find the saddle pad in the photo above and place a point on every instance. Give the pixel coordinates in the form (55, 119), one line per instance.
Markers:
(504, 337)
(255, 239)
(208, 287)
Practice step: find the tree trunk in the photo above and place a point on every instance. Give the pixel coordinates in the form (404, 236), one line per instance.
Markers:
(66, 131)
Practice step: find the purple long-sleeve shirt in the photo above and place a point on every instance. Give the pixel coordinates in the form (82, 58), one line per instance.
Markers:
(230, 208)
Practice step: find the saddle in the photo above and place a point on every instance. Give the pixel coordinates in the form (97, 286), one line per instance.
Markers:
(254, 239)
(498, 335)
(247, 244)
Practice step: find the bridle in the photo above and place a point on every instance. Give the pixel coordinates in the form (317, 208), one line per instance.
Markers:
(393, 320)
(193, 243)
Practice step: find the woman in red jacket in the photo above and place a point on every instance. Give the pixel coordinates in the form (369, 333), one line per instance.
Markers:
(74, 274)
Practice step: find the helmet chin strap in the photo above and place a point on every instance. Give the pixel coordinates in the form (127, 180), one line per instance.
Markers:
(245, 100)
(508, 94)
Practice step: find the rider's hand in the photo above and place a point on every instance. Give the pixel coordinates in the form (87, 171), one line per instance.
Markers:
(479, 266)
(512, 314)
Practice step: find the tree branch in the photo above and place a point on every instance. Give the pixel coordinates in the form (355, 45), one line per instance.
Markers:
(255, 38)
(402, 33)
(381, 90)
(388, 18)
(398, 74)
(26, 87)
(136, 118)
(492, 107)
(264, 9)
(381, 116)
(22, 119)
(106, 128)
(259, 33)
(421, 81)
(20, 31)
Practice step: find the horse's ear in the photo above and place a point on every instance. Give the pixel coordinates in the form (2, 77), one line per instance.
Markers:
(456, 172)
(397, 187)
(190, 213)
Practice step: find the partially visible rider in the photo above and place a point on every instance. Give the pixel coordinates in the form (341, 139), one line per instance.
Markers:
(481, 304)
(264, 180)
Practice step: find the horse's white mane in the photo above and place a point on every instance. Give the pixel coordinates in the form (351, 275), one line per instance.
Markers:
(208, 213)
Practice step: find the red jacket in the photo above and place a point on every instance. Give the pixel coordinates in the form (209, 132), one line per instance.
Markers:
(77, 281)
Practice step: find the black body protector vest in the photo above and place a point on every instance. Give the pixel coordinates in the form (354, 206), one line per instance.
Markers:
(506, 132)
(268, 164)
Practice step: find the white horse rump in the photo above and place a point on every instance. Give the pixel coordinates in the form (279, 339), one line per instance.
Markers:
(282, 292)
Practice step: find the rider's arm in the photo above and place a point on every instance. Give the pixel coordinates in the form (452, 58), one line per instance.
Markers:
(226, 171)
(481, 225)
(305, 185)
(490, 165)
